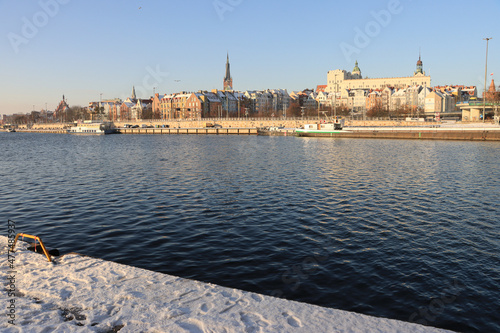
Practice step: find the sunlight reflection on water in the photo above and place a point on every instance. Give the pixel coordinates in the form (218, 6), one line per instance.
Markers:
(375, 226)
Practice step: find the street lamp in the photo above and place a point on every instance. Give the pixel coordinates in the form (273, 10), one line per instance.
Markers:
(335, 98)
(100, 105)
(485, 73)
(319, 104)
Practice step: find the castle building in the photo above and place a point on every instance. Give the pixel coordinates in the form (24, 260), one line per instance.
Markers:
(228, 80)
(339, 80)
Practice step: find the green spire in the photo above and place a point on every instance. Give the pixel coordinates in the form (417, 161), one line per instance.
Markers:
(356, 68)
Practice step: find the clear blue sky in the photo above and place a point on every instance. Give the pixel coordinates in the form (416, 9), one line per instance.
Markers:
(84, 48)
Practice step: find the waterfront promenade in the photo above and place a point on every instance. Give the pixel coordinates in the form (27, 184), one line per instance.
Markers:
(232, 123)
(372, 129)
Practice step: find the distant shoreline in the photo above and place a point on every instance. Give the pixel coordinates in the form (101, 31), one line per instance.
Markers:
(372, 129)
(389, 133)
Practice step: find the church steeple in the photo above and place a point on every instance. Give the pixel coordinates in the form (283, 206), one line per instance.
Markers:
(133, 93)
(492, 86)
(420, 66)
(228, 80)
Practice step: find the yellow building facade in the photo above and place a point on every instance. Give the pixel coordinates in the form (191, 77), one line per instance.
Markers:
(339, 80)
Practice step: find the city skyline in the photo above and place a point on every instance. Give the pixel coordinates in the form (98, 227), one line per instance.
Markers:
(83, 50)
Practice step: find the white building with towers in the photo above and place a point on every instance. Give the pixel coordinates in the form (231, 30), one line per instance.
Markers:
(339, 80)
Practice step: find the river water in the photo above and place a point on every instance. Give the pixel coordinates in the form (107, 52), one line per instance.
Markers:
(392, 228)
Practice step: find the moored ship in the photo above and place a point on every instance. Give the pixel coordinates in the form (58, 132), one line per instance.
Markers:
(90, 127)
(323, 128)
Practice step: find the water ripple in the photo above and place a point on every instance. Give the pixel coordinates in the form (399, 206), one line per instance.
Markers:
(379, 227)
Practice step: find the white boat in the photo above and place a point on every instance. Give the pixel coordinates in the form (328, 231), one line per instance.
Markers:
(323, 128)
(90, 127)
(275, 131)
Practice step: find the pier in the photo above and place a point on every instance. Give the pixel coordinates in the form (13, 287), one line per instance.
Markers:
(196, 131)
(41, 130)
(419, 133)
(381, 129)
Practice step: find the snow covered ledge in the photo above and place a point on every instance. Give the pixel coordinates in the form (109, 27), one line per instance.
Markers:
(82, 294)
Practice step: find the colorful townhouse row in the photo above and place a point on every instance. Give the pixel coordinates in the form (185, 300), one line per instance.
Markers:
(195, 105)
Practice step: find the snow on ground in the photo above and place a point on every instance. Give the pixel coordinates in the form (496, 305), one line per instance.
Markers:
(76, 293)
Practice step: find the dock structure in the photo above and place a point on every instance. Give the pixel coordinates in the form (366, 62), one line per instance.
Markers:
(46, 131)
(196, 131)
(422, 133)
(466, 131)
(419, 133)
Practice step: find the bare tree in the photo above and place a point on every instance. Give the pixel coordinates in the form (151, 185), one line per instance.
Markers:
(377, 111)
(293, 110)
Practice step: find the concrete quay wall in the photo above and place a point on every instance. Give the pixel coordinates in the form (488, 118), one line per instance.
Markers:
(225, 123)
(195, 131)
(382, 129)
(421, 134)
(250, 123)
(261, 122)
(54, 130)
